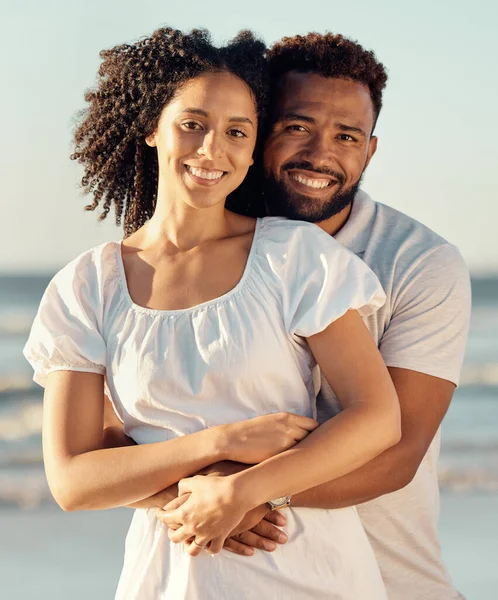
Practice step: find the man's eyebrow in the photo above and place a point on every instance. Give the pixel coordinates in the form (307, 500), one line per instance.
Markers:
(350, 129)
(203, 113)
(292, 116)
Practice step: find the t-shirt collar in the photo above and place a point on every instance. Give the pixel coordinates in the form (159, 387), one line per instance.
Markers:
(355, 233)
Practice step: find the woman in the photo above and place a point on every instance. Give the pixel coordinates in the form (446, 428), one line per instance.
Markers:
(202, 326)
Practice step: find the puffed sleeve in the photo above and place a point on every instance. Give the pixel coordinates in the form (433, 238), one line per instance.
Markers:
(323, 281)
(66, 333)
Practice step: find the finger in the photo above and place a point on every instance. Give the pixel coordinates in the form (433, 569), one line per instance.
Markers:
(215, 545)
(249, 538)
(159, 516)
(187, 485)
(176, 502)
(237, 547)
(197, 546)
(179, 535)
(276, 517)
(269, 531)
(304, 422)
(169, 517)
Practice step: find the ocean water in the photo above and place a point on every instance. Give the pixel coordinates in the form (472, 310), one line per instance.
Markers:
(469, 452)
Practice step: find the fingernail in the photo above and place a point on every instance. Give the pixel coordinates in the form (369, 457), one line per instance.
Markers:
(269, 545)
(248, 551)
(281, 520)
(282, 538)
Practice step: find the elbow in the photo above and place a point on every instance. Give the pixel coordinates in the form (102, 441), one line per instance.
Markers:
(392, 429)
(67, 501)
(66, 494)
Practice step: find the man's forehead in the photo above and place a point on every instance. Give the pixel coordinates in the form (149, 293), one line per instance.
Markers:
(312, 93)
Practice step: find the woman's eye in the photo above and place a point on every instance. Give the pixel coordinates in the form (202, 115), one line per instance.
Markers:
(192, 125)
(236, 133)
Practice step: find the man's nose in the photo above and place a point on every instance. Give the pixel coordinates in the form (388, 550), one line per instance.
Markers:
(212, 146)
(320, 151)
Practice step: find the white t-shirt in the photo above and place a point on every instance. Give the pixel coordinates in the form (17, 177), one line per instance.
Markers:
(422, 327)
(174, 372)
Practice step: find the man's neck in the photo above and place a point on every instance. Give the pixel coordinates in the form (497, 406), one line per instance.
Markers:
(337, 222)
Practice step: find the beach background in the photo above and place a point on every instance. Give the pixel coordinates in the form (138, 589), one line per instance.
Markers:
(436, 160)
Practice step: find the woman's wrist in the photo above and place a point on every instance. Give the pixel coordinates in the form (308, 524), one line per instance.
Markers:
(219, 442)
(246, 491)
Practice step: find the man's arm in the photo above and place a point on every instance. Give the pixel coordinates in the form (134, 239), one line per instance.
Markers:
(424, 401)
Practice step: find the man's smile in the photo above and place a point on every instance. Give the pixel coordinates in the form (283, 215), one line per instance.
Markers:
(310, 181)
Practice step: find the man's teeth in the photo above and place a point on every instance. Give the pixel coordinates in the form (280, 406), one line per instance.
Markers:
(203, 174)
(314, 183)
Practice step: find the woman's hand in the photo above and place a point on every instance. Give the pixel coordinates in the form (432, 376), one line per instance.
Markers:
(208, 515)
(254, 440)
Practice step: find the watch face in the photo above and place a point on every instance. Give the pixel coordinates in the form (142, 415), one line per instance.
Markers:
(281, 500)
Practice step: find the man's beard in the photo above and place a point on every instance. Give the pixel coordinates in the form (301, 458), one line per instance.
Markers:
(280, 201)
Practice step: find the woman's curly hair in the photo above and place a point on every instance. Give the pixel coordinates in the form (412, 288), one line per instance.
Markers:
(135, 82)
(328, 55)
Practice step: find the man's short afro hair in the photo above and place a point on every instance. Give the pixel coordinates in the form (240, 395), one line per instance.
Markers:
(328, 55)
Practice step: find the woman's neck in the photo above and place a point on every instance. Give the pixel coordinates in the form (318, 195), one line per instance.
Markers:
(177, 224)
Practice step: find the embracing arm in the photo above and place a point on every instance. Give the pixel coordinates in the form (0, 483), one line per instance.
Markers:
(424, 401)
(82, 474)
(368, 424)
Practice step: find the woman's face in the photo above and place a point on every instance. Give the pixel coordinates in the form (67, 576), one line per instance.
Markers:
(205, 139)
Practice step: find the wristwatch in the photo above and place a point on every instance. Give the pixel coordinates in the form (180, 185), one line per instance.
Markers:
(277, 503)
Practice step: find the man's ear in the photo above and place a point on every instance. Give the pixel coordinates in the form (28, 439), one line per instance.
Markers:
(372, 147)
(150, 140)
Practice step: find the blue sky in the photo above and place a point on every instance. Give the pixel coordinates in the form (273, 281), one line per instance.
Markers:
(438, 132)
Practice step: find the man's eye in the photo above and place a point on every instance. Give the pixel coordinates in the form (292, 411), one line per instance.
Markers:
(346, 137)
(192, 125)
(236, 133)
(295, 128)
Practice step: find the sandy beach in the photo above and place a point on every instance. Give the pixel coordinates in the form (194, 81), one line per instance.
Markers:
(50, 555)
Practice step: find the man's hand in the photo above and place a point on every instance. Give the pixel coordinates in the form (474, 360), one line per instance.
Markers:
(257, 530)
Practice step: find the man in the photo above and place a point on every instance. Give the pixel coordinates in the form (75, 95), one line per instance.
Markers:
(327, 98)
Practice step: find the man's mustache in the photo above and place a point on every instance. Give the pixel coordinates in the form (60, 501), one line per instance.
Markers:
(307, 166)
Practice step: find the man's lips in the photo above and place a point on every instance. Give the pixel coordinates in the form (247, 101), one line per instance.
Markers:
(310, 180)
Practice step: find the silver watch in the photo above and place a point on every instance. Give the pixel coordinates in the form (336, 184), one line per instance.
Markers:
(277, 503)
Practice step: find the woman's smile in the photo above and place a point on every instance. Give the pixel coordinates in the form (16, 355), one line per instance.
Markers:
(203, 176)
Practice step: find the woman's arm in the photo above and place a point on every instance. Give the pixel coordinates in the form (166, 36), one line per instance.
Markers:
(83, 475)
(368, 425)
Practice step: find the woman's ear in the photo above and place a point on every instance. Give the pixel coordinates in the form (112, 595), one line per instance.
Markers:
(150, 140)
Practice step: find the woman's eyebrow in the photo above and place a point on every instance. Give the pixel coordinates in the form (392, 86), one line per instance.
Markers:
(196, 111)
(240, 120)
(203, 113)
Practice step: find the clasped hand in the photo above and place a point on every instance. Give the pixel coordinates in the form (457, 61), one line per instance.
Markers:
(207, 512)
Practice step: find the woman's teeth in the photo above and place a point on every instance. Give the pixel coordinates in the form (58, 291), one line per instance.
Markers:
(313, 183)
(204, 174)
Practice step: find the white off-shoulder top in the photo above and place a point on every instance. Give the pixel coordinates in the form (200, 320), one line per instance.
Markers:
(174, 372)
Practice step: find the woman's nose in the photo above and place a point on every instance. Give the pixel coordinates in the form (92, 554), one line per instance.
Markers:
(212, 146)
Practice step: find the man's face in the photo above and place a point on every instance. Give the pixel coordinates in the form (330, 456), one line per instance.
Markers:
(319, 146)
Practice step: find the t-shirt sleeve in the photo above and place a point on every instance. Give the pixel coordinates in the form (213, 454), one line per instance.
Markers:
(430, 317)
(325, 281)
(66, 334)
